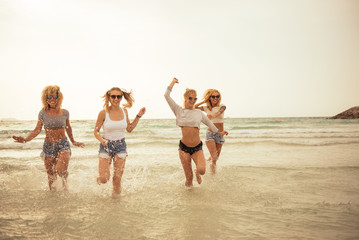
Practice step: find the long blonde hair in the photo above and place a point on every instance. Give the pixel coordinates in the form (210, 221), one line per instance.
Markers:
(50, 90)
(127, 95)
(207, 96)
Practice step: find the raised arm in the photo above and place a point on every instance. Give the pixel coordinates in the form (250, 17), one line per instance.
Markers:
(131, 126)
(197, 106)
(31, 136)
(173, 105)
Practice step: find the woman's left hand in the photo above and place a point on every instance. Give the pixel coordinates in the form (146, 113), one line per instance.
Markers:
(78, 144)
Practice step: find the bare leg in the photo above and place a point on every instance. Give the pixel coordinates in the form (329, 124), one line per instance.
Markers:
(62, 164)
(104, 170)
(50, 163)
(219, 149)
(198, 158)
(212, 148)
(118, 168)
(187, 167)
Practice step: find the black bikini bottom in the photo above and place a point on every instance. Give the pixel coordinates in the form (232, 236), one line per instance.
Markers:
(190, 150)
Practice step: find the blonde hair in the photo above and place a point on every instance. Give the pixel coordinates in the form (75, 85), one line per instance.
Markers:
(207, 96)
(127, 95)
(50, 90)
(188, 92)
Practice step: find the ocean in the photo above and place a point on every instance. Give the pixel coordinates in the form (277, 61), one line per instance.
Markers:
(288, 178)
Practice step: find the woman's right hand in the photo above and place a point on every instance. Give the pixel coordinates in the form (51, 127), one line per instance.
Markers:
(223, 133)
(19, 139)
(174, 81)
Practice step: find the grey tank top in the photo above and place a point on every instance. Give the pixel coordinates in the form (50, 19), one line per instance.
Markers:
(54, 122)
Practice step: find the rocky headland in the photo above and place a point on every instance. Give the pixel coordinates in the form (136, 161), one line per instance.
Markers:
(351, 113)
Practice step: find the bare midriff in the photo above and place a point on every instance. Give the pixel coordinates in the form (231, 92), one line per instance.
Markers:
(220, 127)
(190, 136)
(54, 134)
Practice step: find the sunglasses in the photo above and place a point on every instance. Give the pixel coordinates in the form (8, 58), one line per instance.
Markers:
(191, 98)
(213, 96)
(52, 96)
(116, 96)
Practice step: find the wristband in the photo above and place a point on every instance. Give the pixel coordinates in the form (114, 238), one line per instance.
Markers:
(138, 116)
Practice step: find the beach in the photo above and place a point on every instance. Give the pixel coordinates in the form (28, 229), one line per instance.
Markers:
(277, 178)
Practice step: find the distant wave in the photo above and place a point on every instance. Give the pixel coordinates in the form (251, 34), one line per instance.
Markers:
(316, 168)
(290, 143)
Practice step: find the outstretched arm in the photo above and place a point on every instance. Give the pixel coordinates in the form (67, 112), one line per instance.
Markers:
(31, 136)
(69, 133)
(211, 126)
(131, 126)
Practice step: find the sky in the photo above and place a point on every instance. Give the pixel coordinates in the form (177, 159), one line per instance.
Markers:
(268, 58)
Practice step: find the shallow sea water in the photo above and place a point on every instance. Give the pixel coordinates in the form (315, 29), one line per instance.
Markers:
(295, 179)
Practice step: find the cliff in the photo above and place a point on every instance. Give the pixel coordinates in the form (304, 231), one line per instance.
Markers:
(352, 113)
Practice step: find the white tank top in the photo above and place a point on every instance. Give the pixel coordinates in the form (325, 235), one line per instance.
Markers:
(114, 130)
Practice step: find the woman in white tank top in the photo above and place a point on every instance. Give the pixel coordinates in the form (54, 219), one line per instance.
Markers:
(114, 120)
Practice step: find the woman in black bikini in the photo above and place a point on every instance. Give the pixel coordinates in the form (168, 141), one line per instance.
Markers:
(190, 146)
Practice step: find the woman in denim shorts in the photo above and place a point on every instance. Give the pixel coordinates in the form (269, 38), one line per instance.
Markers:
(215, 111)
(56, 150)
(114, 120)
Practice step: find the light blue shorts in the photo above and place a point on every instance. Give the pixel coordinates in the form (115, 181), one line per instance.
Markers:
(52, 149)
(113, 147)
(215, 137)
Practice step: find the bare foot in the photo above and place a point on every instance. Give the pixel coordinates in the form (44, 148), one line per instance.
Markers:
(188, 184)
(53, 188)
(98, 181)
(213, 168)
(65, 186)
(198, 177)
(116, 194)
(116, 190)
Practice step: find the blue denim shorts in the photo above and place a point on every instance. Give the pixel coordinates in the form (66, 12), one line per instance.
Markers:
(113, 147)
(52, 149)
(215, 137)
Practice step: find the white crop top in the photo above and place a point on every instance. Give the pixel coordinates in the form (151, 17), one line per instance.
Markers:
(188, 117)
(114, 130)
(219, 118)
